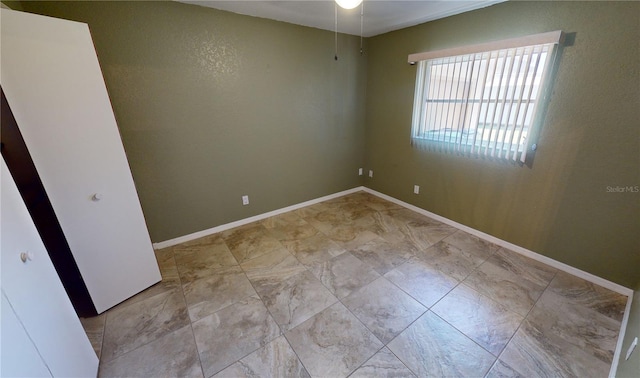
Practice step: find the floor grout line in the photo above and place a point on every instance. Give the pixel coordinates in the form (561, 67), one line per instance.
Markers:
(184, 297)
(377, 212)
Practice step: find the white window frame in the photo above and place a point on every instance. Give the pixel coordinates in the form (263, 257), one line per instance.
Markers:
(484, 99)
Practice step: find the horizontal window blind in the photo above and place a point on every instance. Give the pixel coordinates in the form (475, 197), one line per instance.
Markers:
(483, 103)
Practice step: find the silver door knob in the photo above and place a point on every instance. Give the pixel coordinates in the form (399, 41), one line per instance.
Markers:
(26, 256)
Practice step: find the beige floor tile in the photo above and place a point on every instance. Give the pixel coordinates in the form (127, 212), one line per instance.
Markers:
(343, 274)
(136, 324)
(382, 364)
(383, 223)
(250, 241)
(502, 370)
(329, 218)
(357, 239)
(383, 256)
(451, 260)
(230, 334)
(422, 281)
(289, 226)
(523, 267)
(94, 328)
(271, 267)
(193, 264)
(586, 294)
(164, 286)
(539, 353)
(472, 244)
(167, 263)
(217, 291)
(275, 359)
(483, 320)
(317, 248)
(295, 299)
(172, 355)
(296, 272)
(333, 343)
(419, 229)
(581, 326)
(347, 233)
(431, 347)
(283, 220)
(380, 204)
(200, 243)
(384, 308)
(311, 211)
(505, 287)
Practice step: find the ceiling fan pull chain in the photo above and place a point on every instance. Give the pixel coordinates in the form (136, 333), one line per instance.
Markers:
(336, 30)
(361, 25)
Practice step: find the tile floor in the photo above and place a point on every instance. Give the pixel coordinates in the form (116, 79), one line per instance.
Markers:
(361, 287)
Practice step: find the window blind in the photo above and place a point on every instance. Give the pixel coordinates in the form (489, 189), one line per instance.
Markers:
(483, 102)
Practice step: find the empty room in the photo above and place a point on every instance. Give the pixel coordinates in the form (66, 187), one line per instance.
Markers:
(344, 188)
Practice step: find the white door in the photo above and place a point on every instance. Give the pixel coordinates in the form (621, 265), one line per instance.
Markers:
(35, 302)
(18, 356)
(54, 86)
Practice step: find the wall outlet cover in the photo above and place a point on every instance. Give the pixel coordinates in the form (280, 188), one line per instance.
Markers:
(359, 171)
(416, 189)
(370, 173)
(245, 200)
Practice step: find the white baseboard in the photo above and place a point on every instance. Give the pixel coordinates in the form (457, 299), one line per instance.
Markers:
(241, 222)
(515, 248)
(538, 257)
(523, 251)
(619, 344)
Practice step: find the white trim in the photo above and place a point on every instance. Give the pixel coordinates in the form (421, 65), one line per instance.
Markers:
(241, 222)
(623, 329)
(527, 40)
(515, 248)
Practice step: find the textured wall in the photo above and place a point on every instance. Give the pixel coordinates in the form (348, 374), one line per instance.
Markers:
(212, 105)
(559, 207)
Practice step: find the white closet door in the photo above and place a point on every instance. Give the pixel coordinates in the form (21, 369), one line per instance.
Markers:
(19, 357)
(38, 301)
(54, 86)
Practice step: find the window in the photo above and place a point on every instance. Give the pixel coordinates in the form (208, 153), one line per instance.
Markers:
(485, 99)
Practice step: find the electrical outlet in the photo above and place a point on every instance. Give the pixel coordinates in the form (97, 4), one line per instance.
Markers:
(359, 171)
(631, 348)
(370, 173)
(245, 200)
(416, 189)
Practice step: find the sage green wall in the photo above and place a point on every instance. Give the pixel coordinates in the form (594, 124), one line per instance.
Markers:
(560, 206)
(13, 5)
(631, 367)
(212, 105)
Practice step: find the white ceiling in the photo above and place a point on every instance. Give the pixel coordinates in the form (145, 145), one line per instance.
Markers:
(380, 16)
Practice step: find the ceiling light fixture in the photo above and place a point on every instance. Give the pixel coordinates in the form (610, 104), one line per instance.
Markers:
(348, 4)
